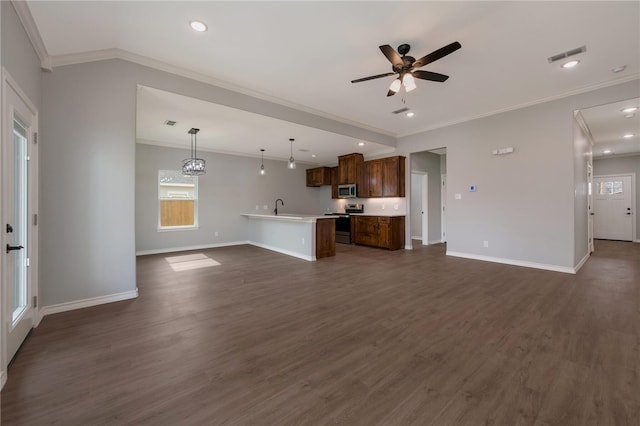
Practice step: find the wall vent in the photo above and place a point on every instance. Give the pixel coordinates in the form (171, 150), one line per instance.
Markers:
(566, 54)
(401, 110)
(170, 122)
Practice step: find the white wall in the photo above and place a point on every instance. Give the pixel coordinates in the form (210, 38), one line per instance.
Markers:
(524, 204)
(231, 186)
(621, 165)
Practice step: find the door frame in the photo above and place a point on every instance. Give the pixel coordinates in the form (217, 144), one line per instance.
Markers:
(634, 235)
(443, 205)
(591, 245)
(425, 209)
(9, 83)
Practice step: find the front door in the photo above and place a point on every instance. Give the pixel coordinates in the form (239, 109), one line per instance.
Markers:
(613, 209)
(19, 128)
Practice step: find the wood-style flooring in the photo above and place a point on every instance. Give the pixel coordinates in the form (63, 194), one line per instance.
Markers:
(368, 337)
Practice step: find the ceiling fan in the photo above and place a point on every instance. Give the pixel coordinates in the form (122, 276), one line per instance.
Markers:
(406, 66)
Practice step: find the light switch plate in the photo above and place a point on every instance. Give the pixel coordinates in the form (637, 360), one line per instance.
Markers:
(458, 196)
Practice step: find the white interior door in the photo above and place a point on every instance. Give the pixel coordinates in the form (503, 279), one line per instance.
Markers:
(444, 208)
(613, 208)
(18, 201)
(425, 209)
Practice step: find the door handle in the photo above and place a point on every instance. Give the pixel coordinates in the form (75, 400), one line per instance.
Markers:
(11, 248)
(592, 214)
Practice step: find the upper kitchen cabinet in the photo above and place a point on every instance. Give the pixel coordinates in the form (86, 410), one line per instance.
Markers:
(348, 168)
(383, 177)
(319, 176)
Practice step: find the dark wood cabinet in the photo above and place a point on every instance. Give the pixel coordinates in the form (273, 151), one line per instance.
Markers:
(348, 168)
(381, 178)
(378, 231)
(325, 238)
(335, 176)
(319, 176)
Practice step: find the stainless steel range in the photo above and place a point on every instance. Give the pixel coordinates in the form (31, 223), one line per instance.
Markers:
(343, 222)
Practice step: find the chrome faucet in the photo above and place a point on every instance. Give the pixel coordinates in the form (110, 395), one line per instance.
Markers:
(276, 209)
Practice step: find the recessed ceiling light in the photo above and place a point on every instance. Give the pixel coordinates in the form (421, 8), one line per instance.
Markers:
(198, 26)
(570, 64)
(606, 151)
(628, 135)
(629, 110)
(411, 114)
(360, 143)
(313, 156)
(619, 69)
(629, 115)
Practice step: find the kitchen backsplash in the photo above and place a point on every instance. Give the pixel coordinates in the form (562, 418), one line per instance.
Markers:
(371, 205)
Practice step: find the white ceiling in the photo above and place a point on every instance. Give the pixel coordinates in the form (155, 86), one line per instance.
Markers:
(608, 125)
(306, 53)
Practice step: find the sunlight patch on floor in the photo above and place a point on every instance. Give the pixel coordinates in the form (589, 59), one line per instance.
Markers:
(190, 261)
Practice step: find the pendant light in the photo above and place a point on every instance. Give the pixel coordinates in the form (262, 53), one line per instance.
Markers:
(262, 172)
(193, 166)
(292, 161)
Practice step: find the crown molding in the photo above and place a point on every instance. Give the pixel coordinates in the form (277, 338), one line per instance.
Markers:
(584, 89)
(100, 55)
(26, 18)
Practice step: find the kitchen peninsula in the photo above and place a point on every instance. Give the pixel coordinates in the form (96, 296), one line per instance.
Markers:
(308, 237)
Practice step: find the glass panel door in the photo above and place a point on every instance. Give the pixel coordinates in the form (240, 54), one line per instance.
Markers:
(20, 228)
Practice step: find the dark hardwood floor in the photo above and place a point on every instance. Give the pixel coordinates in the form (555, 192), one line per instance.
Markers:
(363, 338)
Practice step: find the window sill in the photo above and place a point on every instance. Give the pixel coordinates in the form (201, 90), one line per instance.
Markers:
(179, 228)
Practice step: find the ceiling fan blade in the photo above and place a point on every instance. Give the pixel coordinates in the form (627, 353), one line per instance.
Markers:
(428, 75)
(372, 77)
(391, 93)
(437, 54)
(391, 55)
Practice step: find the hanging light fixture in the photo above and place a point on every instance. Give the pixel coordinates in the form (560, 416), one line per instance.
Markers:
(292, 161)
(395, 85)
(262, 172)
(193, 166)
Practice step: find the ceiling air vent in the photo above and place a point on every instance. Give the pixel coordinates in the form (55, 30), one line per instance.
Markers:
(400, 111)
(170, 123)
(566, 54)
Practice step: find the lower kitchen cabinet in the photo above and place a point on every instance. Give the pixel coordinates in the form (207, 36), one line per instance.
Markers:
(378, 231)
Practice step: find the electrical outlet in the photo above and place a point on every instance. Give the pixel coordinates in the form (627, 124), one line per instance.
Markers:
(216, 233)
(257, 207)
(303, 241)
(265, 207)
(458, 196)
(383, 207)
(486, 244)
(395, 207)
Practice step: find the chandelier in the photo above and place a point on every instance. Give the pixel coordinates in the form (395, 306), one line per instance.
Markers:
(193, 166)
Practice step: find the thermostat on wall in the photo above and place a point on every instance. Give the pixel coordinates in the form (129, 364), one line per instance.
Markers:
(472, 188)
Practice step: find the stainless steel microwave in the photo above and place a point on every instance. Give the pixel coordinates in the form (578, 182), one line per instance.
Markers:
(348, 191)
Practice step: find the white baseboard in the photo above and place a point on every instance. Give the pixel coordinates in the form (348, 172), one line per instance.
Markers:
(581, 263)
(3, 378)
(186, 248)
(416, 237)
(85, 303)
(435, 242)
(555, 268)
(283, 251)
(637, 241)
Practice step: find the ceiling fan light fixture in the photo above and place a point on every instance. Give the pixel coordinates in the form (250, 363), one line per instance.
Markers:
(409, 82)
(629, 110)
(606, 151)
(395, 85)
(411, 114)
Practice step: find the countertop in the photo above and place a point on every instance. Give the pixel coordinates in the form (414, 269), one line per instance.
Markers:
(379, 214)
(288, 217)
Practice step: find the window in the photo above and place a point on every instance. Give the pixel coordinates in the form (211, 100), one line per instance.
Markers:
(609, 188)
(178, 200)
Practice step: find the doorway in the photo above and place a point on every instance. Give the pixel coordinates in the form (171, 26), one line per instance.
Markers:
(613, 207)
(19, 204)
